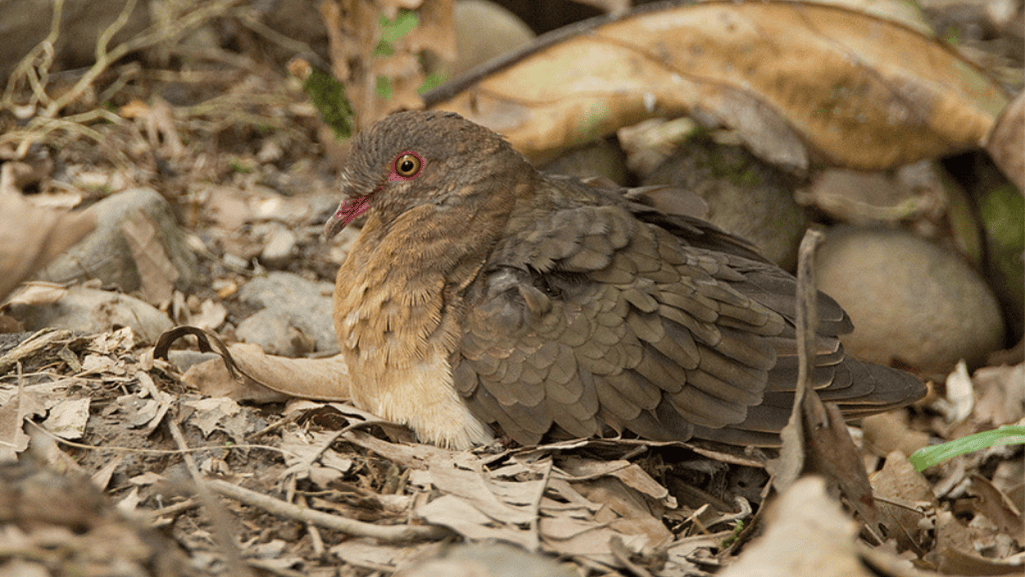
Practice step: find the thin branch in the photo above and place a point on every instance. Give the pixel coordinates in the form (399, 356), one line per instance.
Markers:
(386, 533)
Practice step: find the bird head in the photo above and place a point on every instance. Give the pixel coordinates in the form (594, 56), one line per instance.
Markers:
(413, 158)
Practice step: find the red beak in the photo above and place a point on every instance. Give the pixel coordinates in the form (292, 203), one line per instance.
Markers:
(347, 211)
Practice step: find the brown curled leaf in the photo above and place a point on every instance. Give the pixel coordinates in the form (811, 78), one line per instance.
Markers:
(799, 81)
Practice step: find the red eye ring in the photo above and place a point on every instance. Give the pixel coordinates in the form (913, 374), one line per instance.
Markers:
(408, 165)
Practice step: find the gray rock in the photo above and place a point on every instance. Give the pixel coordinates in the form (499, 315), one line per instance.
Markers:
(306, 304)
(274, 332)
(910, 299)
(280, 248)
(94, 311)
(745, 196)
(106, 255)
(598, 158)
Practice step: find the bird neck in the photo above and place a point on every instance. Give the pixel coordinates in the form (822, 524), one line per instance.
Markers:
(398, 295)
(398, 308)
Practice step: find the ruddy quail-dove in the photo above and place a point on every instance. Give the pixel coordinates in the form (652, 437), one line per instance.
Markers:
(481, 292)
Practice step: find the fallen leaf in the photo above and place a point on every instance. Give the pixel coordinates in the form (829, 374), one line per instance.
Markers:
(807, 535)
(67, 418)
(797, 81)
(157, 274)
(370, 553)
(209, 413)
(903, 498)
(1006, 142)
(30, 237)
(1001, 393)
(957, 562)
(998, 508)
(251, 369)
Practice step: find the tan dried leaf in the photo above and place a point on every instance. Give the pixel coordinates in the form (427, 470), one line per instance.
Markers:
(157, 274)
(808, 534)
(30, 237)
(904, 497)
(253, 374)
(799, 81)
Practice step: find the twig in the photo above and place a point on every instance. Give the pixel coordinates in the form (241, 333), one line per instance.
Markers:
(154, 35)
(136, 450)
(247, 19)
(185, 505)
(388, 534)
(792, 459)
(26, 67)
(314, 532)
(807, 313)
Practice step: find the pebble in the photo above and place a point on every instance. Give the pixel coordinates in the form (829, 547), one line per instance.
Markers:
(306, 304)
(280, 248)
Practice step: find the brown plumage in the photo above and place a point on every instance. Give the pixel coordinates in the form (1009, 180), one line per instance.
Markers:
(481, 292)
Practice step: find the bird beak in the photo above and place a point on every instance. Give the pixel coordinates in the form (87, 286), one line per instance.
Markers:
(347, 212)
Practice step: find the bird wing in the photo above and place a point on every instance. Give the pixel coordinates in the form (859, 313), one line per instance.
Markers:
(589, 316)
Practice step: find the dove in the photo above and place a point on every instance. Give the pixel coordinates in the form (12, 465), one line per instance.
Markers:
(482, 296)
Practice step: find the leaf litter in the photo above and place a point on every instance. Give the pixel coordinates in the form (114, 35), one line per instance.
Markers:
(320, 487)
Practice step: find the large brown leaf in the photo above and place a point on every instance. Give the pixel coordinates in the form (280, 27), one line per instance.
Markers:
(800, 81)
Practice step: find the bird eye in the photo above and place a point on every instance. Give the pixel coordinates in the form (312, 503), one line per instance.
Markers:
(408, 165)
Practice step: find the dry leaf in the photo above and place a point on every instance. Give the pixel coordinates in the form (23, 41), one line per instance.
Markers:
(1001, 393)
(478, 506)
(211, 315)
(904, 496)
(463, 518)
(998, 508)
(324, 379)
(208, 414)
(808, 535)
(67, 418)
(797, 80)
(960, 399)
(1006, 143)
(30, 237)
(157, 274)
(370, 553)
(19, 403)
(888, 432)
(956, 562)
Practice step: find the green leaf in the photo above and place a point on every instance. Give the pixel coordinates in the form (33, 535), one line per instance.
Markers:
(1002, 213)
(383, 49)
(404, 23)
(926, 457)
(433, 79)
(328, 97)
(384, 88)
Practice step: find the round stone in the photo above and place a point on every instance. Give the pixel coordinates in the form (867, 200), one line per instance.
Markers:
(911, 300)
